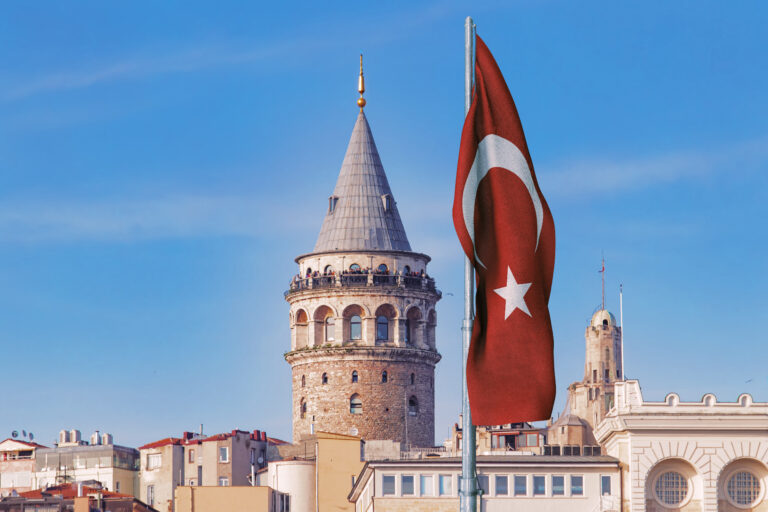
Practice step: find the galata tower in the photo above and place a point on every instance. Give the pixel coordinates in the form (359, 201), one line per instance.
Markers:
(362, 313)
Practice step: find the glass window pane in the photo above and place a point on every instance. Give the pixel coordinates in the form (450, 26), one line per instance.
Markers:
(406, 485)
(520, 485)
(558, 485)
(577, 485)
(539, 487)
(355, 328)
(482, 483)
(426, 485)
(532, 439)
(605, 485)
(446, 484)
(388, 485)
(502, 485)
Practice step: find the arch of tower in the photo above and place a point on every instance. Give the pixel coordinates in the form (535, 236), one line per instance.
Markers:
(362, 315)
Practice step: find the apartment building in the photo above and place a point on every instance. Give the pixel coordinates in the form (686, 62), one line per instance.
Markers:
(17, 465)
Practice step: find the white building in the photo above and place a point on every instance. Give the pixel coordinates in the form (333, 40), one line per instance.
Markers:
(541, 483)
(688, 456)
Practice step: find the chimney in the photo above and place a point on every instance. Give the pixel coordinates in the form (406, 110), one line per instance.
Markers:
(79, 489)
(263, 436)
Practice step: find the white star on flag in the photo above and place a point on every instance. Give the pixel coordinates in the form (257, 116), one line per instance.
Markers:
(513, 295)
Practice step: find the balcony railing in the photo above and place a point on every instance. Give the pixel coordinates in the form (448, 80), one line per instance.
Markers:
(363, 280)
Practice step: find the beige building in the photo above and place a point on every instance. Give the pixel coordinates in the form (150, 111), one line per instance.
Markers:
(540, 483)
(523, 438)
(362, 314)
(162, 470)
(230, 499)
(702, 456)
(17, 465)
(227, 459)
(317, 472)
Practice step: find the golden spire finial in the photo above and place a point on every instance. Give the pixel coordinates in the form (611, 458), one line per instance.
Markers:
(361, 86)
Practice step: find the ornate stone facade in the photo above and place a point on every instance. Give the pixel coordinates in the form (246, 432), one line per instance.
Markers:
(362, 315)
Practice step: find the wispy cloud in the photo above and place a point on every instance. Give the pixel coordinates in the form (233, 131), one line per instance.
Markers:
(597, 176)
(181, 216)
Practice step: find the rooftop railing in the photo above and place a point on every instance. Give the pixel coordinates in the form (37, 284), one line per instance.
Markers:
(350, 280)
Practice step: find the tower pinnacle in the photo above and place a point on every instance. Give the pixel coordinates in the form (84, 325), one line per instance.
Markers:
(361, 86)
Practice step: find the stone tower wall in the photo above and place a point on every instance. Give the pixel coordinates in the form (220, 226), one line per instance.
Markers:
(385, 410)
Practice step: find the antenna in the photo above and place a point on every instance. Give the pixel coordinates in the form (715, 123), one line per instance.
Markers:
(621, 322)
(602, 272)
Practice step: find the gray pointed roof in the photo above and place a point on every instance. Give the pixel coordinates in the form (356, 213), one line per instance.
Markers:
(360, 219)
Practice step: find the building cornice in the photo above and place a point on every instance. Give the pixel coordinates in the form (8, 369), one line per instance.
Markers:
(410, 254)
(364, 353)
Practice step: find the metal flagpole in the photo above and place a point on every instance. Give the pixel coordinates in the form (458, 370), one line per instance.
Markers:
(468, 490)
(621, 321)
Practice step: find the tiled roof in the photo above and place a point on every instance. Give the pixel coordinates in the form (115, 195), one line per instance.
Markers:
(360, 219)
(161, 442)
(28, 443)
(68, 491)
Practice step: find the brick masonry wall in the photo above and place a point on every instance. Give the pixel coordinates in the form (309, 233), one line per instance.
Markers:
(385, 408)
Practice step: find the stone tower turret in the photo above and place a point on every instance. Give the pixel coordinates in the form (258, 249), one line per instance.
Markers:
(591, 399)
(362, 315)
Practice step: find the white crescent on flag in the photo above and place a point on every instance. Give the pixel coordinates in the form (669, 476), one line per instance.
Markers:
(495, 151)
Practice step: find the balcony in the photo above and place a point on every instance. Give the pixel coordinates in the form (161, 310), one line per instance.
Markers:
(350, 280)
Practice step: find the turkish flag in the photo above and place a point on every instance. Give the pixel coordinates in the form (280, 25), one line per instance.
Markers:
(506, 229)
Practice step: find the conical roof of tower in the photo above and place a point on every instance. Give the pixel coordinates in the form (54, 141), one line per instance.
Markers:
(362, 213)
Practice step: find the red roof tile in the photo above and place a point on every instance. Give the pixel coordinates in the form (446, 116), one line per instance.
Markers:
(68, 491)
(28, 443)
(161, 442)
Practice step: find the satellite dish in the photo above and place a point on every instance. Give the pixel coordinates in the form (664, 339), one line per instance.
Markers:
(261, 460)
(31, 436)
(15, 434)
(24, 433)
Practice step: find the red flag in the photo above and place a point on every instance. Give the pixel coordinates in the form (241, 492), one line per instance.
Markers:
(506, 229)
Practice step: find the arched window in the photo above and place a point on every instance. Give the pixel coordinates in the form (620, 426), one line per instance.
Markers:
(354, 376)
(382, 328)
(605, 322)
(303, 380)
(328, 269)
(354, 267)
(607, 354)
(671, 488)
(355, 404)
(407, 270)
(325, 378)
(384, 376)
(382, 268)
(303, 408)
(355, 328)
(408, 331)
(413, 378)
(330, 325)
(413, 406)
(744, 488)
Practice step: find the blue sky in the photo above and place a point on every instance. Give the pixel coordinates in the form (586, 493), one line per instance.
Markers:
(161, 164)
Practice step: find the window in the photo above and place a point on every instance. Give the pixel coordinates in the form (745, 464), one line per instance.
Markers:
(384, 376)
(388, 485)
(224, 453)
(413, 378)
(150, 495)
(445, 484)
(354, 267)
(577, 485)
(223, 481)
(303, 409)
(406, 485)
(539, 485)
(406, 269)
(502, 485)
(743, 488)
(332, 202)
(303, 381)
(605, 485)
(671, 488)
(482, 484)
(413, 406)
(325, 378)
(558, 485)
(355, 328)
(154, 460)
(355, 404)
(594, 375)
(382, 328)
(383, 268)
(328, 269)
(426, 485)
(407, 330)
(532, 439)
(330, 324)
(354, 376)
(520, 485)
(117, 486)
(607, 375)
